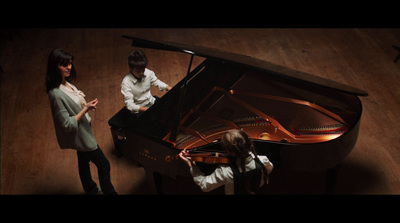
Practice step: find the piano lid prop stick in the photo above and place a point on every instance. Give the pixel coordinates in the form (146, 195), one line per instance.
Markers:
(175, 126)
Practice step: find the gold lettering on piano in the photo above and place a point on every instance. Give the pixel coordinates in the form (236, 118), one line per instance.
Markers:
(146, 154)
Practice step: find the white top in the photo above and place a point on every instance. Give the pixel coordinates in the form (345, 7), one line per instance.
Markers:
(223, 175)
(137, 93)
(77, 96)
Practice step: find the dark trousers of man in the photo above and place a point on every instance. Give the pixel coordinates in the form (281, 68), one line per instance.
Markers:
(103, 167)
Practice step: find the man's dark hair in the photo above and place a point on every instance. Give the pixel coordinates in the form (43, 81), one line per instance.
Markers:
(137, 58)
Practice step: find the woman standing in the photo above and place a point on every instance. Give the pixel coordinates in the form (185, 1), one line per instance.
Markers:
(72, 121)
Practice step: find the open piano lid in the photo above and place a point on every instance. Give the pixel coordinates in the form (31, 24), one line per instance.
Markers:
(273, 69)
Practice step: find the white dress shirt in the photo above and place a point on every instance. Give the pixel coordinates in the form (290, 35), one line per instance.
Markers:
(76, 95)
(137, 93)
(223, 175)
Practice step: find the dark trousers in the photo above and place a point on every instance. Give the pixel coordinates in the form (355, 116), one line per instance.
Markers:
(103, 168)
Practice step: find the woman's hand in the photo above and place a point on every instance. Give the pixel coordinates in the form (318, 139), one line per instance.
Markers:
(92, 105)
(188, 160)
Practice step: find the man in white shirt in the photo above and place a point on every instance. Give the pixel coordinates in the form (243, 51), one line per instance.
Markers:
(136, 85)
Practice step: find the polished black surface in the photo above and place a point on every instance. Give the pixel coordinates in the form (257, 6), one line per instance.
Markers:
(300, 121)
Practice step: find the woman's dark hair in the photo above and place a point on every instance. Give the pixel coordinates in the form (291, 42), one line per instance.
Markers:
(53, 76)
(137, 58)
(239, 145)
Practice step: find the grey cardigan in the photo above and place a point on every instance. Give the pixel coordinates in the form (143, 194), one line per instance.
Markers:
(70, 133)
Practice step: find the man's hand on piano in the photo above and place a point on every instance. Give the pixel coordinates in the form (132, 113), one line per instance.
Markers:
(143, 109)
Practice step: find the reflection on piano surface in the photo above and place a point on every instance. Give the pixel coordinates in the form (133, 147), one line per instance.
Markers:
(300, 121)
(249, 111)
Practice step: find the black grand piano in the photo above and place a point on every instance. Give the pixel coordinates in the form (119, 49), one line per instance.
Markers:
(300, 121)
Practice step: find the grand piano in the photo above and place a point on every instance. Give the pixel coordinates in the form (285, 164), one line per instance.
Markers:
(300, 121)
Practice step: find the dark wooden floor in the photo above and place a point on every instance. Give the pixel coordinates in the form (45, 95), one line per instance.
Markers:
(32, 163)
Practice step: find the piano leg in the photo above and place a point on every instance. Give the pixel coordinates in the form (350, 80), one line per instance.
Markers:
(118, 139)
(331, 179)
(154, 183)
(158, 183)
(398, 56)
(119, 123)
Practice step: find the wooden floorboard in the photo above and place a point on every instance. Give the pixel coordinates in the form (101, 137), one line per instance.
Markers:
(32, 162)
